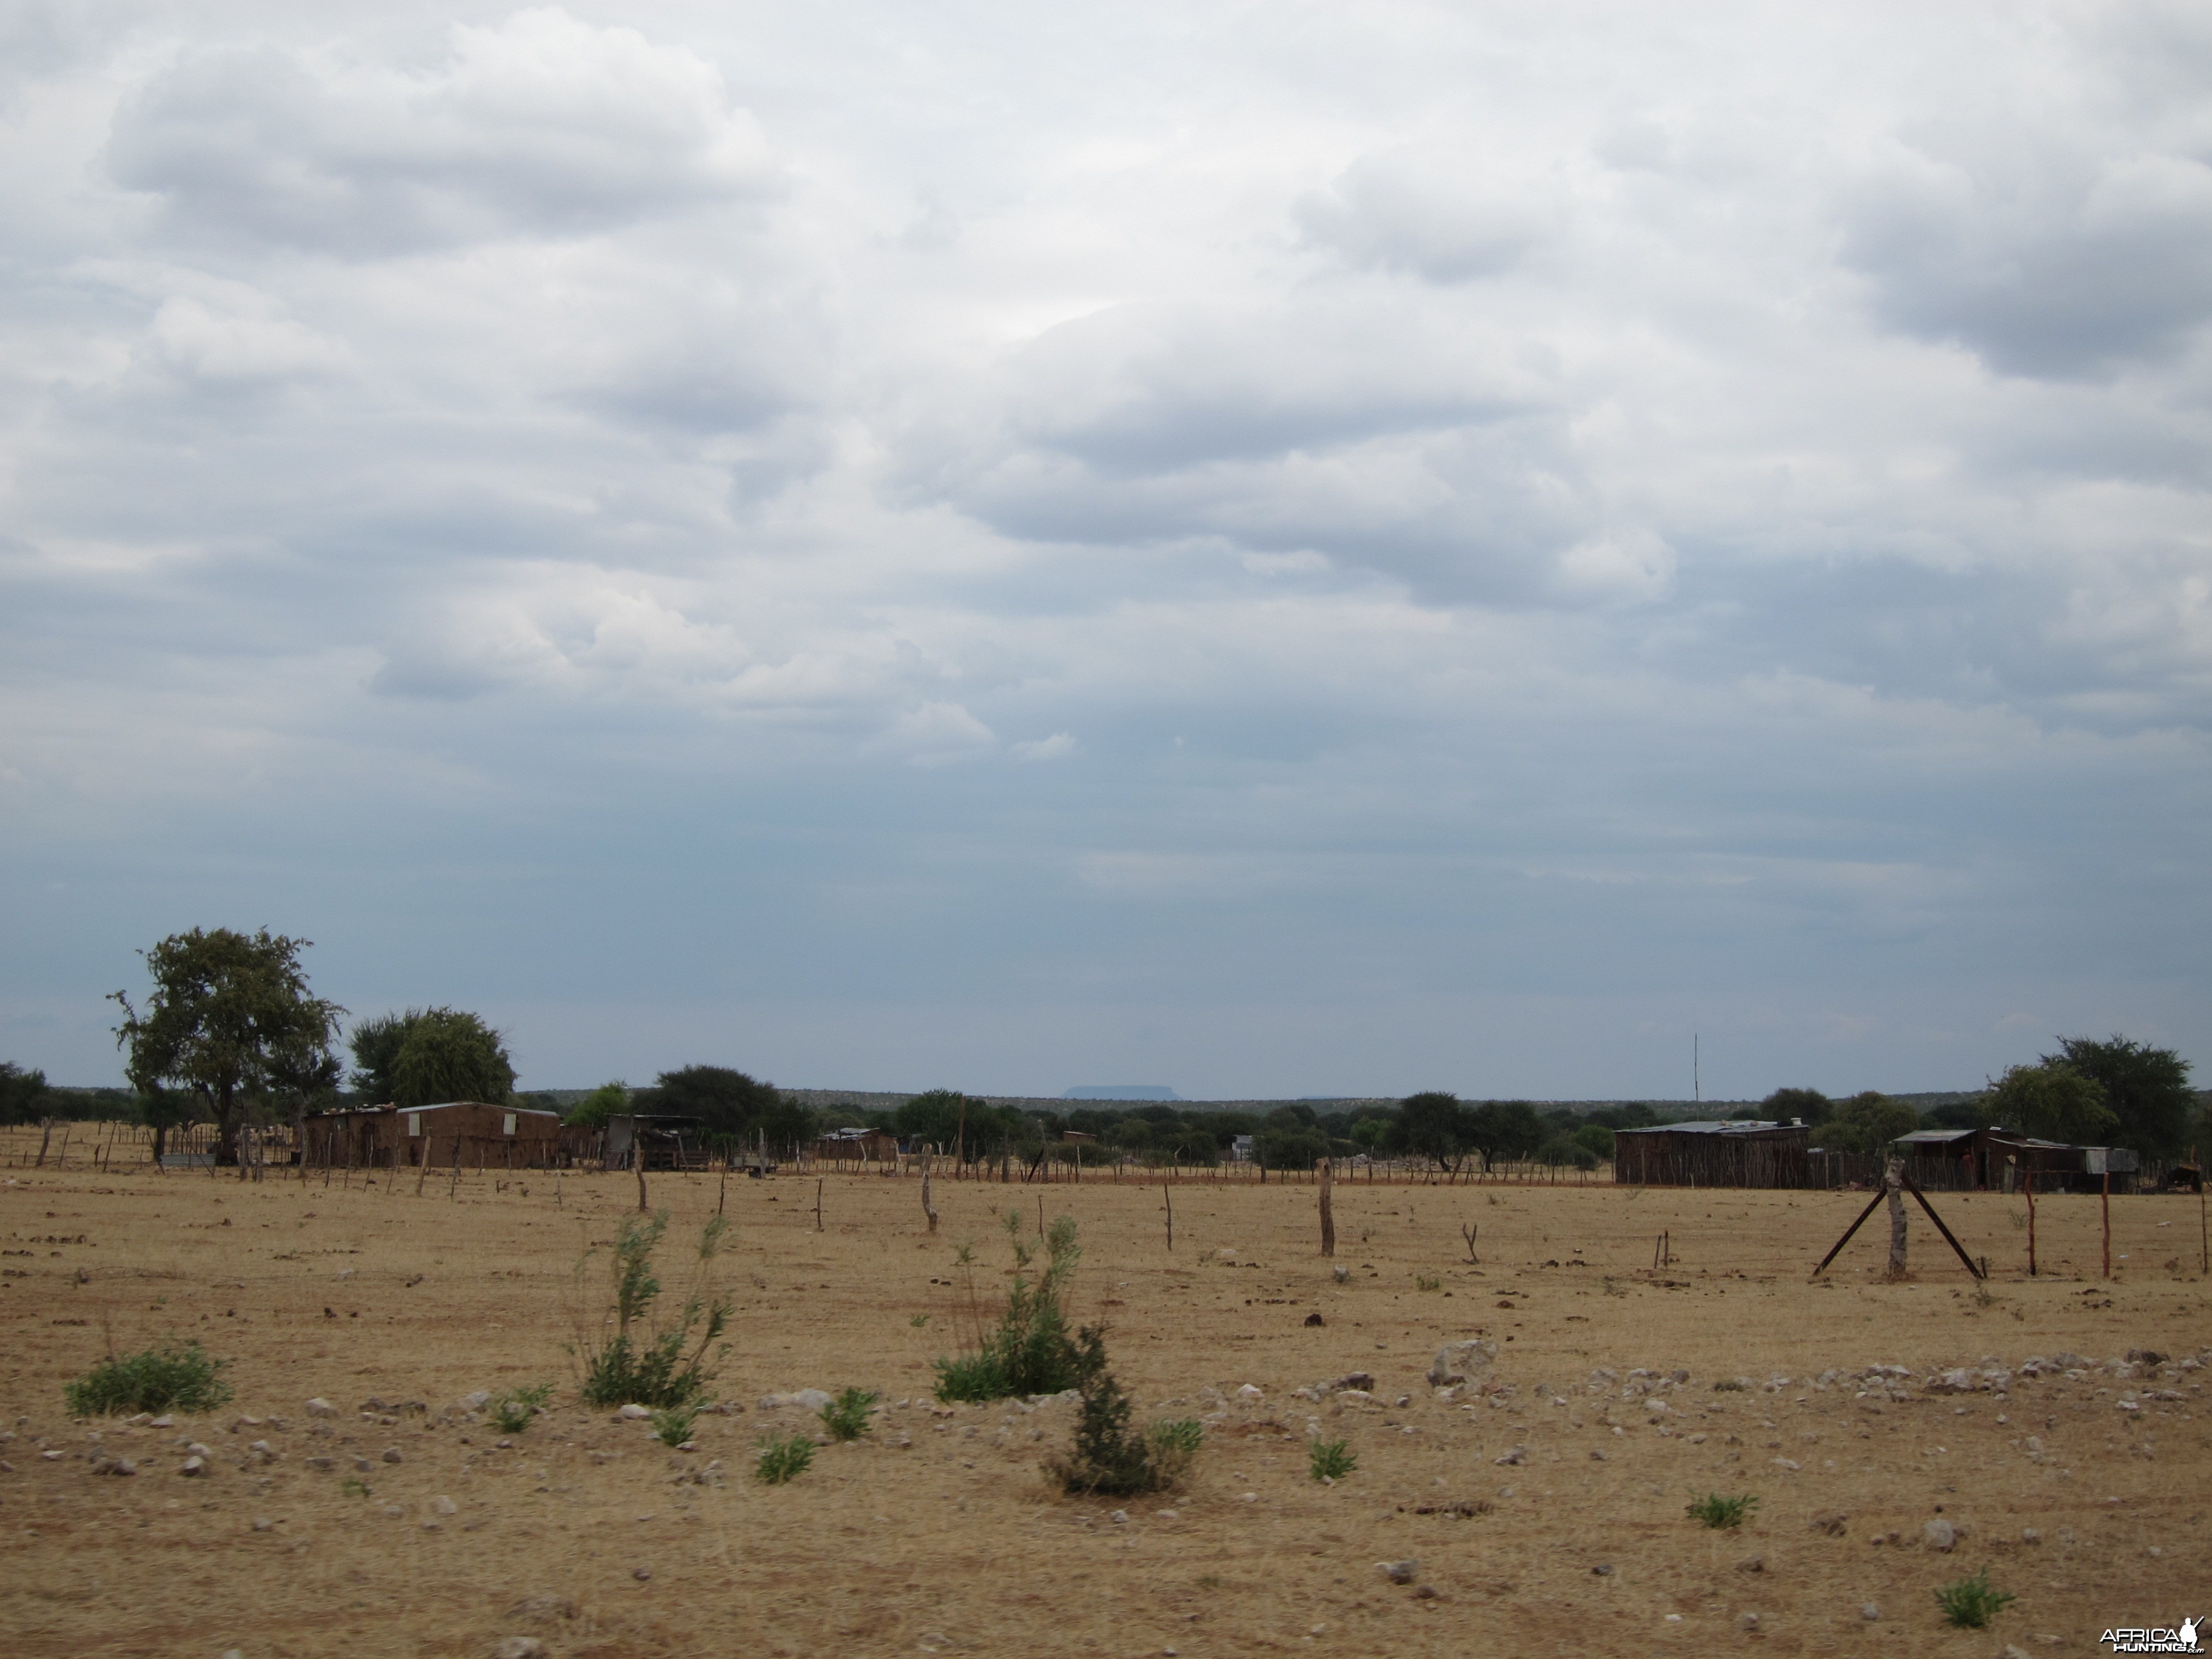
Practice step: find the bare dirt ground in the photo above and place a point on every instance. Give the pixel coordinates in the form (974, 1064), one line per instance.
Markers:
(1547, 1515)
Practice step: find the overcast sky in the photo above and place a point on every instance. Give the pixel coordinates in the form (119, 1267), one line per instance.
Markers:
(1273, 550)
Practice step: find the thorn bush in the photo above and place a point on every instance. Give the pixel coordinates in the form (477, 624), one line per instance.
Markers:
(847, 1416)
(1030, 1351)
(1971, 1603)
(782, 1458)
(1714, 1510)
(511, 1409)
(666, 1365)
(1329, 1460)
(176, 1376)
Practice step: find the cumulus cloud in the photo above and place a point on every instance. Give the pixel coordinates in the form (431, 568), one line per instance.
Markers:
(1447, 219)
(541, 126)
(1370, 557)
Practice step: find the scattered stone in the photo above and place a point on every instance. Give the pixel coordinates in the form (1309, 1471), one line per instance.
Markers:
(1604, 1570)
(164, 1421)
(263, 1523)
(1315, 1319)
(1250, 1396)
(1870, 1612)
(391, 1455)
(2012, 1650)
(1597, 1456)
(1789, 1463)
(1752, 1564)
(1229, 1256)
(2030, 1536)
(541, 1608)
(637, 1413)
(1830, 1524)
(1939, 1534)
(1746, 1621)
(805, 1399)
(1425, 1592)
(1340, 1273)
(1399, 1572)
(322, 1462)
(641, 1574)
(194, 1468)
(477, 1402)
(521, 1647)
(1518, 1455)
(444, 1506)
(1462, 1362)
(320, 1408)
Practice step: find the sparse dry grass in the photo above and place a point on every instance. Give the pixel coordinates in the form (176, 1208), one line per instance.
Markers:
(943, 1526)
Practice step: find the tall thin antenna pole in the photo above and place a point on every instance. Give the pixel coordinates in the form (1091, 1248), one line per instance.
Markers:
(1697, 1083)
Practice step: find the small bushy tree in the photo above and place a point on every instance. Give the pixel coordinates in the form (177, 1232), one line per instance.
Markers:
(2052, 1102)
(2146, 1089)
(592, 1112)
(639, 1363)
(1032, 1349)
(1867, 1122)
(231, 1023)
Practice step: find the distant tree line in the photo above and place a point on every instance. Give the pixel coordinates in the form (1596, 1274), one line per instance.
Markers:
(231, 1034)
(2114, 1092)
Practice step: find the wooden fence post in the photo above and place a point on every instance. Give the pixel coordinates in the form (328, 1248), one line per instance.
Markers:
(927, 1208)
(1326, 1176)
(1893, 1184)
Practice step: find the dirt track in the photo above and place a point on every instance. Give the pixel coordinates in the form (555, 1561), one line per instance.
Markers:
(937, 1533)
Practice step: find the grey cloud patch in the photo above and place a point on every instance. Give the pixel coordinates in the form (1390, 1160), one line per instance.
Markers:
(1447, 221)
(543, 125)
(2042, 262)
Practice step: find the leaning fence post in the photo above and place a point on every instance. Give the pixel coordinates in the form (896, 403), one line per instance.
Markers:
(1326, 1178)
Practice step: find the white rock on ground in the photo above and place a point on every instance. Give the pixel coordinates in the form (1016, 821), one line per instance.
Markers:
(321, 1408)
(1462, 1362)
(634, 1413)
(1939, 1535)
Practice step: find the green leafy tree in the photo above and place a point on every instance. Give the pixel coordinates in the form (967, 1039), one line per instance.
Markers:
(940, 1117)
(1594, 1139)
(732, 1107)
(593, 1111)
(162, 1110)
(1868, 1123)
(428, 1056)
(230, 1022)
(2148, 1090)
(375, 1044)
(1507, 1129)
(1433, 1124)
(1783, 1104)
(24, 1097)
(2053, 1102)
(450, 1055)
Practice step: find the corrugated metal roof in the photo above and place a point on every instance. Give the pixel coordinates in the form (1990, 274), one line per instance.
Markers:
(1746, 1127)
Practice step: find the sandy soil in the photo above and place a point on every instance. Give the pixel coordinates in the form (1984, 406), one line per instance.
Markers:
(939, 1533)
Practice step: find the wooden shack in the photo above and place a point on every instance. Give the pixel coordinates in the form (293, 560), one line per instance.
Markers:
(1741, 1154)
(1988, 1157)
(654, 1141)
(480, 1134)
(857, 1146)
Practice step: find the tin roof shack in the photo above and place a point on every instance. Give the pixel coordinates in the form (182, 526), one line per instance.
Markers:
(1974, 1160)
(1744, 1154)
(857, 1146)
(480, 1134)
(654, 1141)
